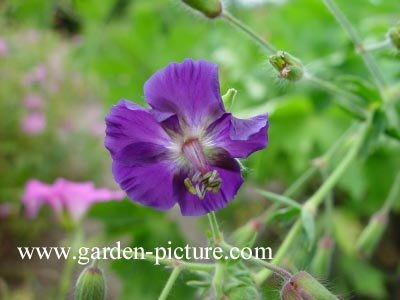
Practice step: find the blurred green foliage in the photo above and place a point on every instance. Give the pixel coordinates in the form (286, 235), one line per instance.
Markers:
(108, 49)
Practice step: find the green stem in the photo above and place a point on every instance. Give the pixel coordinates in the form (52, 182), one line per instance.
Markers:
(170, 283)
(393, 194)
(269, 266)
(366, 57)
(184, 264)
(217, 235)
(352, 107)
(247, 30)
(376, 46)
(65, 281)
(261, 276)
(313, 202)
(218, 280)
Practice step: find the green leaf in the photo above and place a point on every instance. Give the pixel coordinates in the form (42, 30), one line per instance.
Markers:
(358, 86)
(279, 199)
(308, 221)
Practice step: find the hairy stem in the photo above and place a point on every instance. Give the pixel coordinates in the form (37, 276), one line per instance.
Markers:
(366, 57)
(183, 264)
(393, 194)
(248, 31)
(65, 281)
(217, 235)
(313, 202)
(170, 283)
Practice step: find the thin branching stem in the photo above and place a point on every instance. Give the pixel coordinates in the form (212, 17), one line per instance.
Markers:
(313, 202)
(247, 30)
(365, 55)
(170, 283)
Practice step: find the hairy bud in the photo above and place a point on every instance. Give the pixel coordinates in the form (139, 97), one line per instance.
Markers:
(90, 285)
(288, 66)
(372, 234)
(394, 35)
(210, 8)
(302, 286)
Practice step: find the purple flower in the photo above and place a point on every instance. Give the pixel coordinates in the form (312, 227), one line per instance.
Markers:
(74, 197)
(183, 149)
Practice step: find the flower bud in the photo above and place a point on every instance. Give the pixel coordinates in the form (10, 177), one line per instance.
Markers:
(372, 234)
(243, 292)
(394, 35)
(321, 262)
(210, 8)
(302, 286)
(229, 98)
(90, 285)
(288, 66)
(246, 235)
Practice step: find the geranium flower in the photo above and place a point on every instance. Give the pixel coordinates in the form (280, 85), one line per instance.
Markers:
(182, 149)
(75, 197)
(33, 123)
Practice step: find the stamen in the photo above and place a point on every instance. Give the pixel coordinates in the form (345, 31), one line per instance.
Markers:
(189, 186)
(200, 185)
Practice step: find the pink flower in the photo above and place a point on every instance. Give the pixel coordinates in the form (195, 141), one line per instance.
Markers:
(36, 194)
(34, 123)
(37, 75)
(33, 102)
(3, 47)
(75, 197)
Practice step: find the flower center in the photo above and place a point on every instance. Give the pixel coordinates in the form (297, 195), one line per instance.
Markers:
(193, 151)
(204, 179)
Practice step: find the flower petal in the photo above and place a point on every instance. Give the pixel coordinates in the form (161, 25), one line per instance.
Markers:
(36, 194)
(240, 137)
(149, 185)
(133, 135)
(189, 90)
(192, 205)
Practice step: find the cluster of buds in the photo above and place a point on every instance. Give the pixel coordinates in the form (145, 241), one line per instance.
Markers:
(288, 66)
(209, 8)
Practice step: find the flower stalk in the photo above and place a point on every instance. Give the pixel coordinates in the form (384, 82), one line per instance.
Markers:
(248, 31)
(366, 57)
(313, 202)
(170, 283)
(216, 233)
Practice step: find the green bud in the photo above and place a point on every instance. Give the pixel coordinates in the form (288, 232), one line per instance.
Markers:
(210, 8)
(302, 286)
(243, 292)
(246, 235)
(372, 234)
(394, 35)
(90, 285)
(229, 98)
(288, 66)
(321, 262)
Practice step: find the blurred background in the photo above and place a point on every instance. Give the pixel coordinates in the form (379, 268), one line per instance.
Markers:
(64, 63)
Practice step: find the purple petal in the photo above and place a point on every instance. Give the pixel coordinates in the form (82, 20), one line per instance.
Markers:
(240, 137)
(150, 185)
(133, 135)
(192, 205)
(189, 90)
